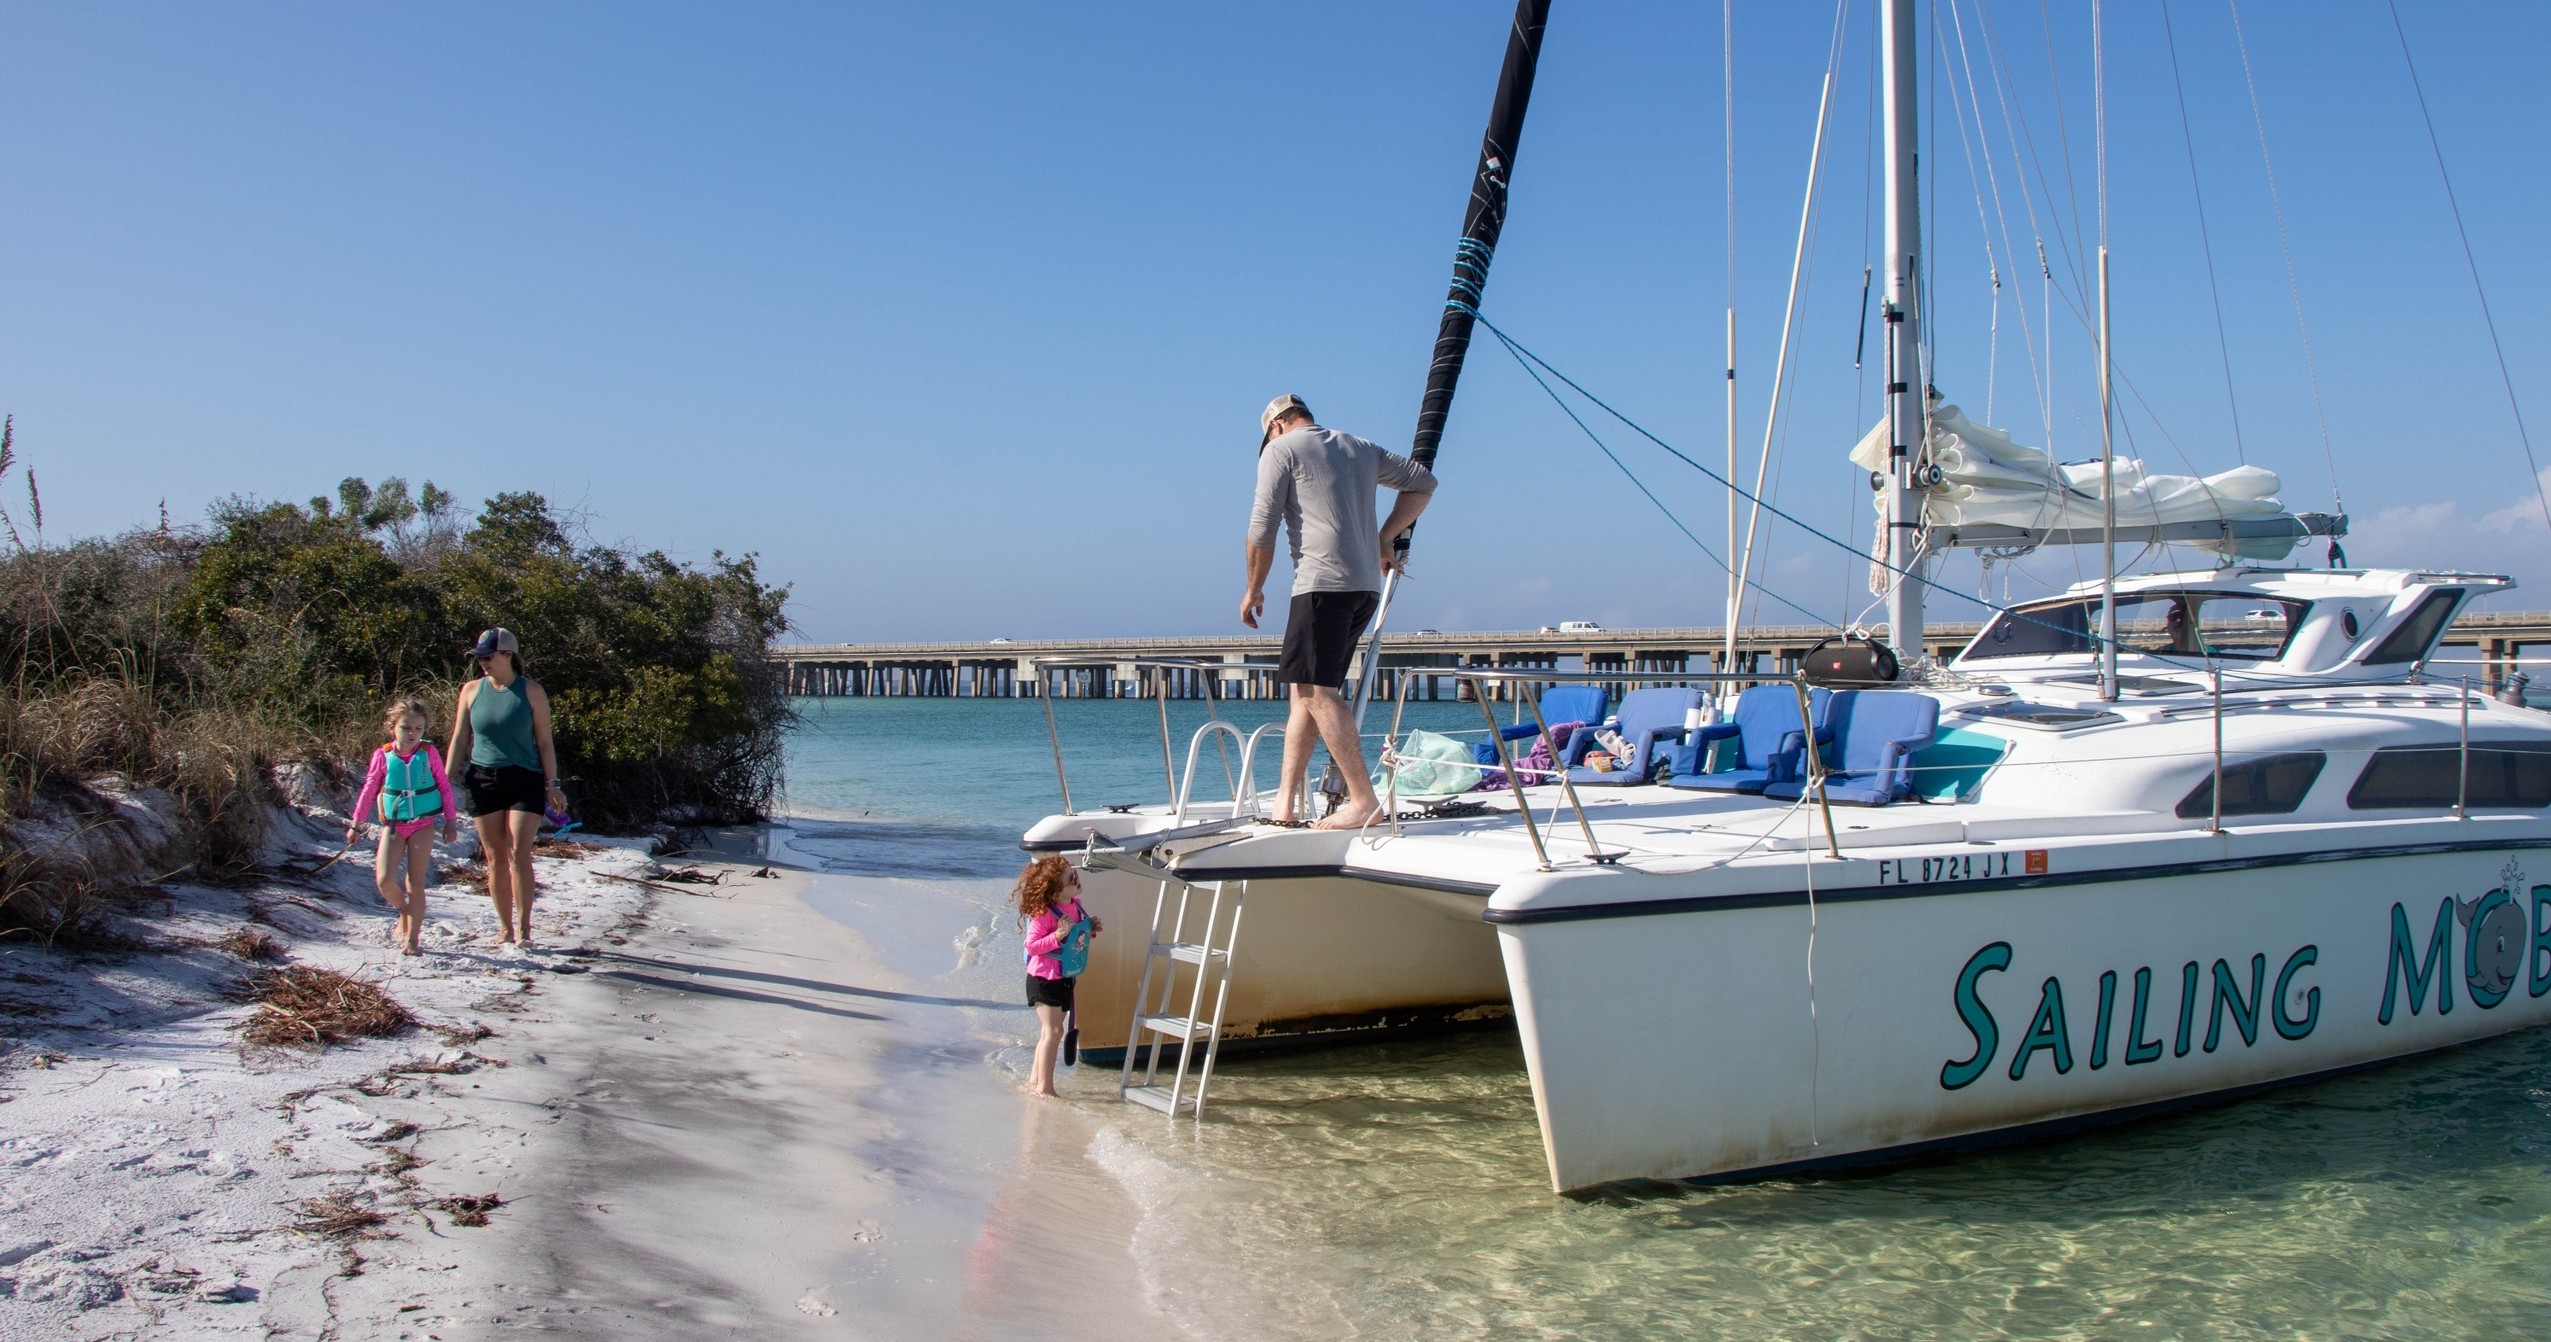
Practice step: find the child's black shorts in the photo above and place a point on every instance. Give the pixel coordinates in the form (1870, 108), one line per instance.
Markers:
(1050, 992)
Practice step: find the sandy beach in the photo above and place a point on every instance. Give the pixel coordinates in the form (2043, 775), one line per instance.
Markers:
(709, 1106)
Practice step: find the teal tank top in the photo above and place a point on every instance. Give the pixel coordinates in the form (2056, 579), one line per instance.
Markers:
(500, 726)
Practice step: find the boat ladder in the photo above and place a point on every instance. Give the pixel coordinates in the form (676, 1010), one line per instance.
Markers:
(1160, 1019)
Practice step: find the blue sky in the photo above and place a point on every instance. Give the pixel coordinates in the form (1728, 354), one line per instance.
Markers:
(960, 315)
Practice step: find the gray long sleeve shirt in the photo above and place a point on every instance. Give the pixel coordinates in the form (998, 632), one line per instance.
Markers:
(1319, 483)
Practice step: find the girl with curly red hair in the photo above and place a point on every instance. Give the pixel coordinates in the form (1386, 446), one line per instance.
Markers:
(1057, 931)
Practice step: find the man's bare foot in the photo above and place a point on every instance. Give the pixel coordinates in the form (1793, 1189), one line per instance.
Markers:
(1351, 815)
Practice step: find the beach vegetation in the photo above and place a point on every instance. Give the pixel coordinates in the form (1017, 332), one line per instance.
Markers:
(184, 664)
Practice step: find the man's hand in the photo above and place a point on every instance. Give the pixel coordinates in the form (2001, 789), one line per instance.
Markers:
(1392, 560)
(1253, 604)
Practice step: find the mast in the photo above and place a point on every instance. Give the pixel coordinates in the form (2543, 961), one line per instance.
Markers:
(1481, 225)
(1904, 331)
(2107, 415)
(1727, 87)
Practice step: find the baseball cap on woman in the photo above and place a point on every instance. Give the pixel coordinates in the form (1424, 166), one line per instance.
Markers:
(1287, 404)
(495, 641)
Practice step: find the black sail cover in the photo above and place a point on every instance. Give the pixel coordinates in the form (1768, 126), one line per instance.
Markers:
(1480, 227)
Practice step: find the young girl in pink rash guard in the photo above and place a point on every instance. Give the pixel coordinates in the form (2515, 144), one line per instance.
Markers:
(406, 792)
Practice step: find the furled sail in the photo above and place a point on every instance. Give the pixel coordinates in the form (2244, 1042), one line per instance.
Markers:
(1988, 479)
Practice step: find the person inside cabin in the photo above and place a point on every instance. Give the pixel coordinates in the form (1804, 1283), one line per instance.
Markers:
(1318, 484)
(2180, 629)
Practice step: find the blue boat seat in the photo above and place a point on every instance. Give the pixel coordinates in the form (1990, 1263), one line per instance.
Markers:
(1648, 719)
(1771, 742)
(1588, 704)
(1874, 734)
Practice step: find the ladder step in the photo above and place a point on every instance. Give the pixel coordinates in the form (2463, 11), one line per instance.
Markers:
(1157, 1097)
(1193, 953)
(1179, 1027)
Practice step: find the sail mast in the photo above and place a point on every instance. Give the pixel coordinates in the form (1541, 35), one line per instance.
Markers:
(1904, 333)
(2107, 412)
(1481, 225)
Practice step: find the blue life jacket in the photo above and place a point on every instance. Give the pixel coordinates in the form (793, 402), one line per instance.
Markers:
(1072, 954)
(407, 786)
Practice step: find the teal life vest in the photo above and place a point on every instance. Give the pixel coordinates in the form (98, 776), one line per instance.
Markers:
(1072, 953)
(407, 786)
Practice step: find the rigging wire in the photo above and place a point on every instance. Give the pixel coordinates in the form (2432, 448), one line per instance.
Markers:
(1538, 365)
(2504, 378)
(1633, 476)
(2205, 238)
(2311, 366)
(1799, 273)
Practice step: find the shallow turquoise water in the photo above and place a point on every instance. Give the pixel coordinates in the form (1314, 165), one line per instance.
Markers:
(1398, 1190)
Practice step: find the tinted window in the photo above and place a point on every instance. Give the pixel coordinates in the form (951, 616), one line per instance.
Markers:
(2167, 624)
(2271, 786)
(2417, 633)
(2423, 777)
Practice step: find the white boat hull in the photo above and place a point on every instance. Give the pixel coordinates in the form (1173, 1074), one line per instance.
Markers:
(1690, 1042)
(1318, 957)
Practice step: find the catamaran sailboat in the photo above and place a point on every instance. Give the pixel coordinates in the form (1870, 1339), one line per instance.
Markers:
(2146, 842)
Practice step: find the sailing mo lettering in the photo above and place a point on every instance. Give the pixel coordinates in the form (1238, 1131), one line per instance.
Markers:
(2238, 994)
(2498, 944)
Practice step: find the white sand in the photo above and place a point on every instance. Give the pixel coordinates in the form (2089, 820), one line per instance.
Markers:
(710, 1110)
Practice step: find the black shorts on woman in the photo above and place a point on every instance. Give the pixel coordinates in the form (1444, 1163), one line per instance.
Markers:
(504, 787)
(1056, 993)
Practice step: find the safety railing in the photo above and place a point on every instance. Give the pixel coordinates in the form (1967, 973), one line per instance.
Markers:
(1478, 679)
(1243, 784)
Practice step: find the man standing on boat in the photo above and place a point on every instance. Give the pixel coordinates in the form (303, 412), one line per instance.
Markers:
(1319, 483)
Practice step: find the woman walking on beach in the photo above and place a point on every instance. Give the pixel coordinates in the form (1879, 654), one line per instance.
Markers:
(1058, 932)
(407, 792)
(501, 728)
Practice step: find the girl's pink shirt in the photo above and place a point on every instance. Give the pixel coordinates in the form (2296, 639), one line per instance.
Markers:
(379, 773)
(1045, 936)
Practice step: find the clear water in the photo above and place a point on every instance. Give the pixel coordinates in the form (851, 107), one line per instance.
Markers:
(1398, 1190)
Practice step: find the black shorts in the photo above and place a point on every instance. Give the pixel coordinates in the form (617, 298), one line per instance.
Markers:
(1319, 636)
(504, 787)
(1050, 992)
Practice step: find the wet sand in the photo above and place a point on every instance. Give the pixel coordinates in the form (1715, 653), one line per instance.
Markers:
(747, 1118)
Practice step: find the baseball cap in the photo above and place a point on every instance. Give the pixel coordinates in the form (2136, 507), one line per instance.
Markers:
(495, 641)
(1276, 409)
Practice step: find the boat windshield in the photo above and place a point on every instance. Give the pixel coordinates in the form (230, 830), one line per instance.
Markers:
(2218, 625)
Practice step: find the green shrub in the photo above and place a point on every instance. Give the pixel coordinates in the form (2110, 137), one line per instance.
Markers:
(195, 660)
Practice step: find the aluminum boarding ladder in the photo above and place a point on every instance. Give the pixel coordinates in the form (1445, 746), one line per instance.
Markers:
(1156, 1026)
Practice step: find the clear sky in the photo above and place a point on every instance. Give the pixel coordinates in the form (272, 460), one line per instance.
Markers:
(960, 315)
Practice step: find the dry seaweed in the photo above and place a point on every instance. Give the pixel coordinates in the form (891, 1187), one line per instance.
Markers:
(337, 1216)
(303, 1006)
(251, 945)
(468, 1209)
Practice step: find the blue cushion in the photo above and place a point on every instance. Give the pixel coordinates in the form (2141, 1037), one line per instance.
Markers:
(1647, 717)
(1735, 780)
(1874, 735)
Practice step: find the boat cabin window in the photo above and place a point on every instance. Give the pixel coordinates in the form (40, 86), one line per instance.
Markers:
(2503, 774)
(2418, 633)
(2208, 625)
(2271, 786)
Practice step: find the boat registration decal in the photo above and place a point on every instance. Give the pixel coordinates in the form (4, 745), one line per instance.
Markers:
(1958, 866)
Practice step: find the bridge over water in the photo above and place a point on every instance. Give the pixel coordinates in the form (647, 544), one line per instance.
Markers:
(1416, 665)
